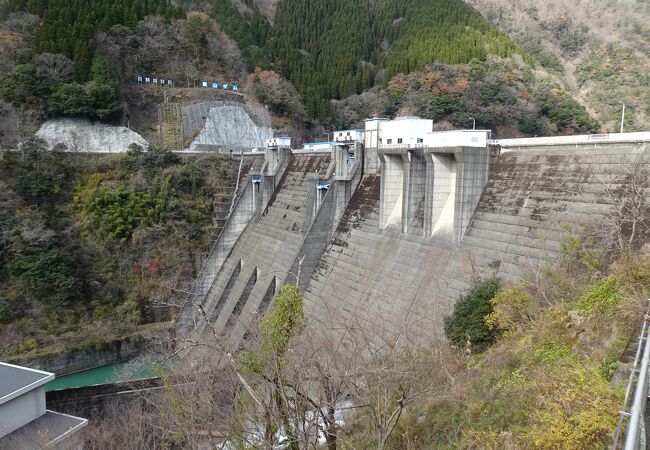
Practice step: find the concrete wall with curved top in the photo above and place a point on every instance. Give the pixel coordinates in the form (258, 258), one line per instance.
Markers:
(224, 128)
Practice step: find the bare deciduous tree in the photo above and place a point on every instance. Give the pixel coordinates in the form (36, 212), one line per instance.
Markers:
(625, 221)
(54, 67)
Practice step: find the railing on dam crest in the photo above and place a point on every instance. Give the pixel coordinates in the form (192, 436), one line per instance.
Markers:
(634, 407)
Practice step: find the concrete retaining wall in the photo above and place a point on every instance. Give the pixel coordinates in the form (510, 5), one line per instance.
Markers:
(98, 355)
(263, 257)
(243, 211)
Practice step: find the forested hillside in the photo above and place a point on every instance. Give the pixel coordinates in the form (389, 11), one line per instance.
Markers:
(499, 94)
(333, 49)
(69, 27)
(362, 53)
(74, 59)
(600, 51)
(89, 243)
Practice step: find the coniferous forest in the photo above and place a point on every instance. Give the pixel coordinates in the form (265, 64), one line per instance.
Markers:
(327, 49)
(334, 49)
(68, 27)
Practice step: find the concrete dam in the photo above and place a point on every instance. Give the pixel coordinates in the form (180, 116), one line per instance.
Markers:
(388, 231)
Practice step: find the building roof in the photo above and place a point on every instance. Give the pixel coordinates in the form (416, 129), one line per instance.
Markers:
(16, 380)
(44, 432)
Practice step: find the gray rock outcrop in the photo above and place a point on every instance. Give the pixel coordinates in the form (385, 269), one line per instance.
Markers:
(230, 127)
(80, 135)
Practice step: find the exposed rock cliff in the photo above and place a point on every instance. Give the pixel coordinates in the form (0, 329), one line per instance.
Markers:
(229, 128)
(80, 135)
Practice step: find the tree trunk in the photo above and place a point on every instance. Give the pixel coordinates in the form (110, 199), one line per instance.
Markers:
(291, 436)
(331, 429)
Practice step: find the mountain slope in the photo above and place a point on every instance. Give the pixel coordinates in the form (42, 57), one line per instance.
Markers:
(599, 50)
(336, 48)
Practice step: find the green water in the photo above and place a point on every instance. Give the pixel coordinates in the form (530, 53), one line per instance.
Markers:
(100, 375)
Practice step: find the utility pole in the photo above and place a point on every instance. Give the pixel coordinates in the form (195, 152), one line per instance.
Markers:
(473, 123)
(622, 116)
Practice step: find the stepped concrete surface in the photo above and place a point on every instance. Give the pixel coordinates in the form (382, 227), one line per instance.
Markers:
(263, 256)
(397, 270)
(223, 128)
(534, 200)
(239, 212)
(80, 135)
(383, 280)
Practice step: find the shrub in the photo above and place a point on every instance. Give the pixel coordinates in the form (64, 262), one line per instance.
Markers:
(511, 308)
(118, 213)
(602, 296)
(466, 326)
(52, 277)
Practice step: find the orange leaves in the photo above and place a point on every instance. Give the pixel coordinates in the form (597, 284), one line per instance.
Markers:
(10, 37)
(438, 84)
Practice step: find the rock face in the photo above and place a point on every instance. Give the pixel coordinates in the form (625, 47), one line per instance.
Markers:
(230, 128)
(84, 136)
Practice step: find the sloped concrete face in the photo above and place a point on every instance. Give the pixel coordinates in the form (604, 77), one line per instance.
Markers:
(84, 136)
(393, 173)
(230, 128)
(381, 281)
(265, 254)
(375, 275)
(415, 204)
(397, 283)
(472, 173)
(440, 198)
(536, 197)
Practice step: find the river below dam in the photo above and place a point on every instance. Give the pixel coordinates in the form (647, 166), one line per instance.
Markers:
(111, 373)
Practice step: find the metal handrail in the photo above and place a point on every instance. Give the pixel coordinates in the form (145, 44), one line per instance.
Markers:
(635, 429)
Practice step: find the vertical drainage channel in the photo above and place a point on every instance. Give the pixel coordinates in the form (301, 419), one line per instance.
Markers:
(234, 196)
(226, 292)
(268, 296)
(239, 306)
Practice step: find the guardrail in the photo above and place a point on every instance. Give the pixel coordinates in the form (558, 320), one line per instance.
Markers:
(635, 433)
